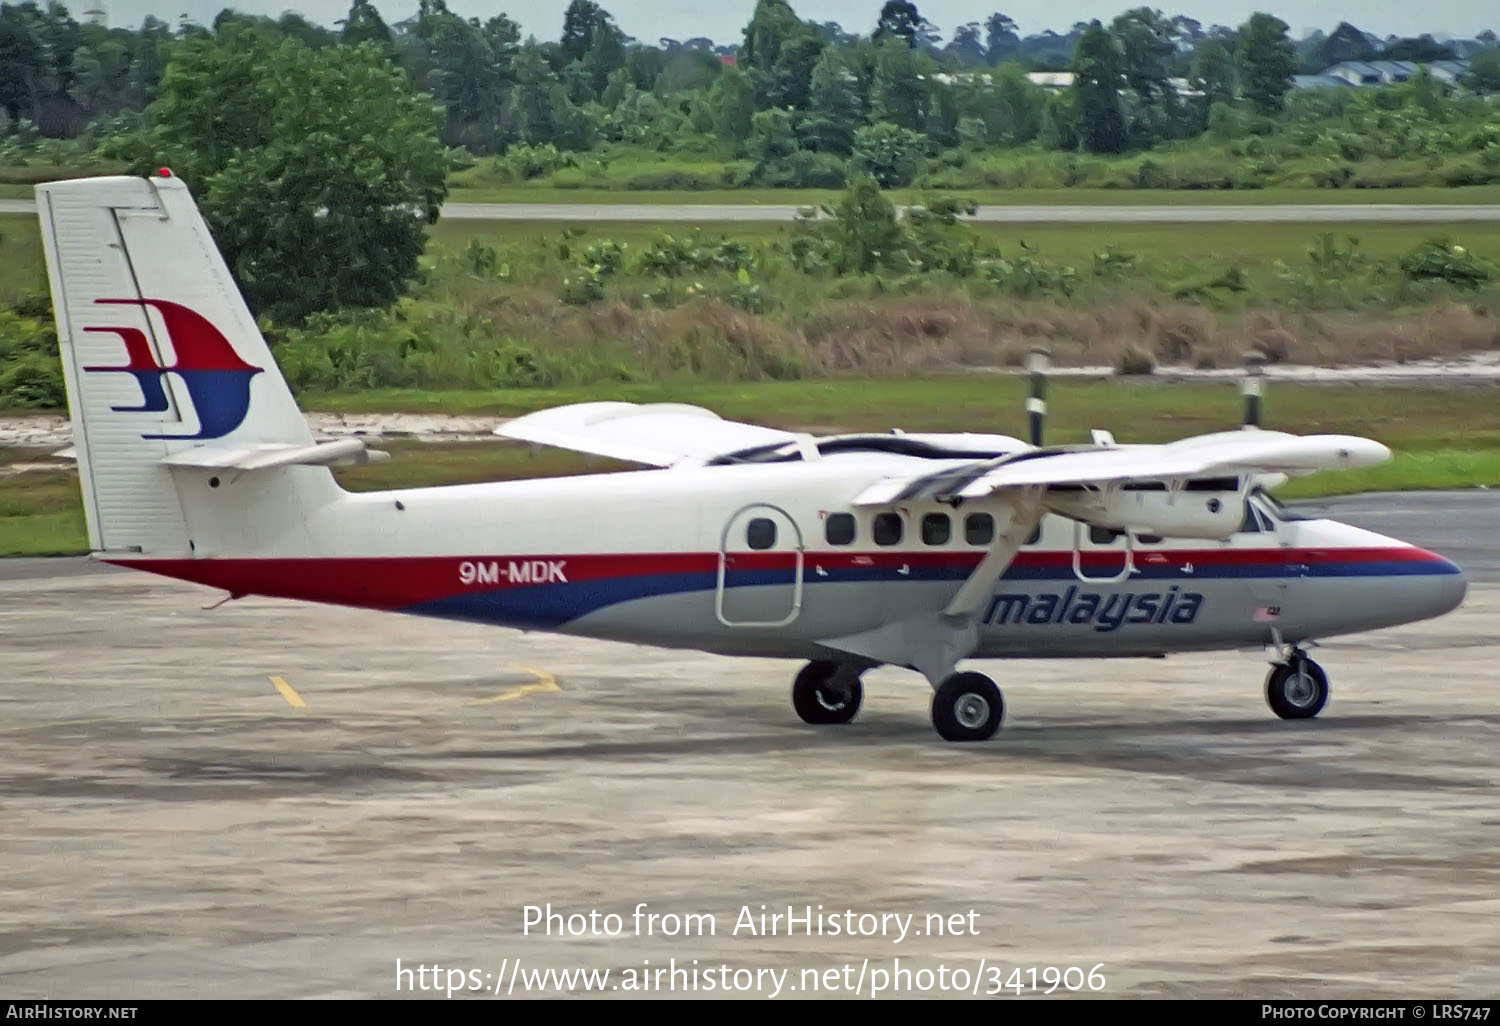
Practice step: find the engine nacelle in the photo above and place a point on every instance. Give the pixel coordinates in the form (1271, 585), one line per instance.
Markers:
(1199, 510)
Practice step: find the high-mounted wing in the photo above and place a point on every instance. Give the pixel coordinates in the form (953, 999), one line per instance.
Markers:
(1131, 488)
(1230, 453)
(657, 434)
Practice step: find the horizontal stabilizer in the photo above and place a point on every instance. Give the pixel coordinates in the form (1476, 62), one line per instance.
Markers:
(342, 452)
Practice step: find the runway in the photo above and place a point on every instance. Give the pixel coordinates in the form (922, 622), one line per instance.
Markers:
(279, 800)
(711, 213)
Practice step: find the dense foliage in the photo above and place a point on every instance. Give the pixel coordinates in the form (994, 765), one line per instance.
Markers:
(1144, 80)
(317, 170)
(320, 157)
(851, 288)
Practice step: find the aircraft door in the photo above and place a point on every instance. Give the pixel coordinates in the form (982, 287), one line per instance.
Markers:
(760, 569)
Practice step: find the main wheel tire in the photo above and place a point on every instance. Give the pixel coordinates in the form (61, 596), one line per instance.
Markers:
(818, 701)
(1297, 690)
(967, 707)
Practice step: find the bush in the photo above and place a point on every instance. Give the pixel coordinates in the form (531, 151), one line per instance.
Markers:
(1111, 262)
(671, 255)
(670, 178)
(803, 170)
(1441, 260)
(521, 163)
(1028, 275)
(481, 260)
(1150, 175)
(30, 368)
(584, 286)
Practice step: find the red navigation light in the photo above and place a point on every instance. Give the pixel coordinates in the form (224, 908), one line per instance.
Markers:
(165, 172)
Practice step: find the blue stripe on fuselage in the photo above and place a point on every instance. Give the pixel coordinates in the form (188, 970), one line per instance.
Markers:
(548, 606)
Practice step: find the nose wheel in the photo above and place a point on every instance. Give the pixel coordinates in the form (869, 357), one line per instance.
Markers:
(1297, 689)
(822, 694)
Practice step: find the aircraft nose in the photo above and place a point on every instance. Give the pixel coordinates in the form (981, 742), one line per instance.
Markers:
(1443, 586)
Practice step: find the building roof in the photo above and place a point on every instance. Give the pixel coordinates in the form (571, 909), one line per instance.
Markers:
(1373, 73)
(1318, 82)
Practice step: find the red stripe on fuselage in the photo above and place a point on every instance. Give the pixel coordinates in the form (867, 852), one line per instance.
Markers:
(394, 582)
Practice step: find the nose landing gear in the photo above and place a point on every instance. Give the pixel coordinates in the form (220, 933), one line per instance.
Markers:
(1298, 688)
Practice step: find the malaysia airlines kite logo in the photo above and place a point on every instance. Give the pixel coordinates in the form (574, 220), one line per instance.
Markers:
(216, 379)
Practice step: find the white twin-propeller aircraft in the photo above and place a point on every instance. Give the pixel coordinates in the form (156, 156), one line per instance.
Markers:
(850, 551)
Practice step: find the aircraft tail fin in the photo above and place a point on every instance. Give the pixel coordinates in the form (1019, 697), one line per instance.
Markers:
(162, 358)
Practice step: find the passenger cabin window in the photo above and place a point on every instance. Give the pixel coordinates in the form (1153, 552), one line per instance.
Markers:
(1149, 539)
(1102, 535)
(936, 529)
(1251, 524)
(761, 533)
(979, 528)
(887, 529)
(839, 529)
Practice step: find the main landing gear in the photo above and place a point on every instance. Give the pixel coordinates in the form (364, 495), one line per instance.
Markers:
(965, 706)
(1297, 689)
(825, 692)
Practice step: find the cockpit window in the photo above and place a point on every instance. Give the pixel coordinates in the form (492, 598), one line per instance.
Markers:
(1273, 506)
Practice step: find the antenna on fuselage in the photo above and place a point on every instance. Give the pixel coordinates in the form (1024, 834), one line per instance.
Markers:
(1037, 361)
(1251, 387)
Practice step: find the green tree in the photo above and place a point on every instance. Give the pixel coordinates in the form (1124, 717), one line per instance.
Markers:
(779, 54)
(1213, 73)
(365, 25)
(772, 136)
(1012, 108)
(1345, 43)
(531, 114)
(688, 70)
(865, 232)
(733, 101)
(899, 19)
(1148, 46)
(1059, 128)
(1483, 76)
(580, 21)
(1097, 79)
(1000, 37)
(1266, 58)
(834, 110)
(967, 46)
(316, 205)
(899, 92)
(606, 53)
(467, 67)
(294, 26)
(941, 119)
(36, 66)
(890, 154)
(23, 64)
(101, 76)
(150, 50)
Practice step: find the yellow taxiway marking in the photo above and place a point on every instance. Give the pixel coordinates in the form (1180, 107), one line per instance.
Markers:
(289, 693)
(544, 682)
